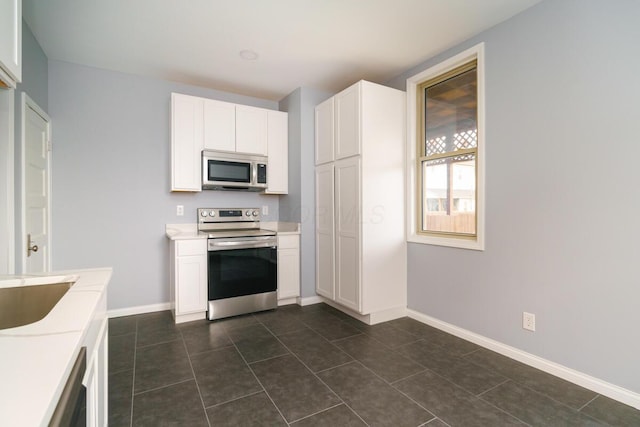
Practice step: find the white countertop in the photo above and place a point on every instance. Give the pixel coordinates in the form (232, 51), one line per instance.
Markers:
(36, 359)
(190, 231)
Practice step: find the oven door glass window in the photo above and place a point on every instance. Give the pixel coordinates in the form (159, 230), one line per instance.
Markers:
(239, 272)
(220, 170)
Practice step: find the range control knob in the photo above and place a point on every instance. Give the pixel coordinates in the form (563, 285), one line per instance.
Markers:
(203, 213)
(212, 213)
(248, 213)
(254, 213)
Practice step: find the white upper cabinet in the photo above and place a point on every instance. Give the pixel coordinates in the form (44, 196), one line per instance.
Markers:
(10, 42)
(278, 152)
(219, 125)
(347, 122)
(200, 123)
(324, 132)
(186, 142)
(251, 130)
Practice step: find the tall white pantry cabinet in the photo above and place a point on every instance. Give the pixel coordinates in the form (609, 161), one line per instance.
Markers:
(360, 233)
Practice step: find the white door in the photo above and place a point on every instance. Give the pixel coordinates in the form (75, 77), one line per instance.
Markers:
(36, 188)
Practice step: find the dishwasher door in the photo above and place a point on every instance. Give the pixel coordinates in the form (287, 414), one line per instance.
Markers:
(71, 409)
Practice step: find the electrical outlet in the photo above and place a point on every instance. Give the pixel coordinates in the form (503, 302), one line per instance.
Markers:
(180, 210)
(265, 210)
(528, 321)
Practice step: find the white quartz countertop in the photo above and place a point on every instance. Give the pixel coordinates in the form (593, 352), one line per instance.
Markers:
(190, 231)
(36, 359)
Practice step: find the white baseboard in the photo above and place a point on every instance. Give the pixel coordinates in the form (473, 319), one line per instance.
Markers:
(604, 388)
(141, 309)
(287, 301)
(310, 300)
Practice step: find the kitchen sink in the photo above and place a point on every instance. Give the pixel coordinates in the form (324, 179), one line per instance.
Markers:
(22, 305)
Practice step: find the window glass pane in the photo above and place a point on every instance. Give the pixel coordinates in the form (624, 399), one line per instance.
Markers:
(449, 195)
(451, 109)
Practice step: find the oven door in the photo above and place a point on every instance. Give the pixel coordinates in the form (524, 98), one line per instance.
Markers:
(236, 271)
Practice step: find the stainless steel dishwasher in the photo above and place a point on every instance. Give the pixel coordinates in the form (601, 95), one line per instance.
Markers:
(71, 409)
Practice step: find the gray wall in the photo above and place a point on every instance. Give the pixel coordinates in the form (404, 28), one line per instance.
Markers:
(290, 203)
(299, 204)
(562, 115)
(310, 98)
(111, 178)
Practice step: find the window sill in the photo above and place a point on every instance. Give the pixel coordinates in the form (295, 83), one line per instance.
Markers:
(452, 242)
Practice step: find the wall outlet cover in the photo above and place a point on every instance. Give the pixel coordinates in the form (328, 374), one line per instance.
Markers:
(528, 321)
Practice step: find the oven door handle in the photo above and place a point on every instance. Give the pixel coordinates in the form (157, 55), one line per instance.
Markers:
(213, 245)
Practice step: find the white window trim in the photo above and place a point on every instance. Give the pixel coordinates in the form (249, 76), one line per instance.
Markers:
(476, 52)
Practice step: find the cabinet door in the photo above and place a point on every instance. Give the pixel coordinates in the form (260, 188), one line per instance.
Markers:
(219, 125)
(347, 175)
(324, 231)
(11, 42)
(186, 142)
(96, 380)
(278, 152)
(324, 132)
(347, 122)
(288, 273)
(251, 130)
(191, 276)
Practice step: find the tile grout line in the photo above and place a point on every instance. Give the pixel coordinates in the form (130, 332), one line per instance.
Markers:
(311, 371)
(479, 395)
(195, 380)
(162, 386)
(587, 404)
(234, 399)
(133, 379)
(254, 374)
(318, 412)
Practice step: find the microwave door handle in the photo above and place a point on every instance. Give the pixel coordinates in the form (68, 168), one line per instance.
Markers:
(254, 173)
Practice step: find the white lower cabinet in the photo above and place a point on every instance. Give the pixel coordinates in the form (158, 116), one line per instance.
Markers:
(325, 230)
(96, 375)
(188, 279)
(288, 267)
(347, 229)
(96, 380)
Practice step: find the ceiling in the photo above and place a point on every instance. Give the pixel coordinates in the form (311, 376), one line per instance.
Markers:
(323, 44)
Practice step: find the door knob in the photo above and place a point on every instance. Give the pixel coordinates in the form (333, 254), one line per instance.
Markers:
(30, 247)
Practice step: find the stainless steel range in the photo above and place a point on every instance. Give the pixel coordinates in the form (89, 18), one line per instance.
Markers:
(242, 262)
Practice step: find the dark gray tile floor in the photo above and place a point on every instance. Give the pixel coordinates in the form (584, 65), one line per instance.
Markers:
(315, 366)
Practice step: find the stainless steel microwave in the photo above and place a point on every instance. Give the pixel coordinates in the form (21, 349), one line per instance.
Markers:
(223, 170)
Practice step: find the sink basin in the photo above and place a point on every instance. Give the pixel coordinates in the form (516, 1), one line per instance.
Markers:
(22, 305)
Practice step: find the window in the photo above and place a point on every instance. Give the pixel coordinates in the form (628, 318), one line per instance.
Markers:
(446, 182)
